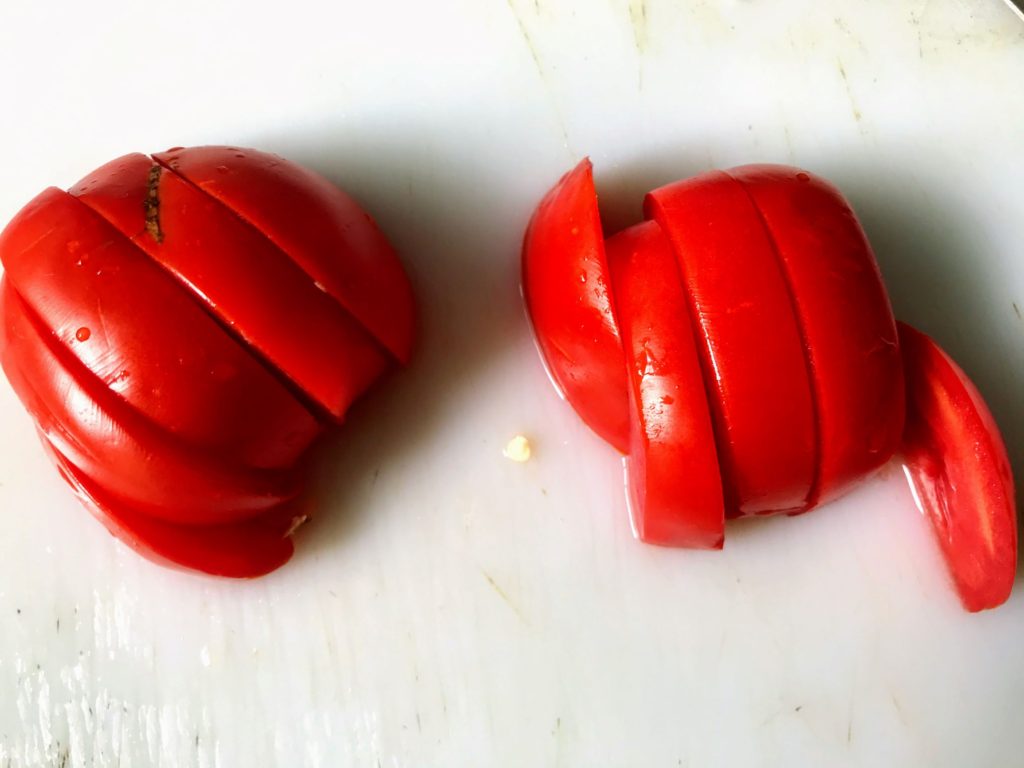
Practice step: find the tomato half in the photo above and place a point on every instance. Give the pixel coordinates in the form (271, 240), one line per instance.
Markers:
(672, 468)
(566, 284)
(845, 319)
(750, 344)
(958, 469)
(245, 280)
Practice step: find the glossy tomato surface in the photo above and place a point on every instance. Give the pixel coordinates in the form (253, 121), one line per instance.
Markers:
(182, 344)
(675, 490)
(957, 465)
(566, 288)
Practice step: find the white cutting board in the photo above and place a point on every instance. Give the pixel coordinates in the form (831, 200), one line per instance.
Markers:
(450, 607)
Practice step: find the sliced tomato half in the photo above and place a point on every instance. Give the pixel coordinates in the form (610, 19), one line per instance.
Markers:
(673, 477)
(241, 277)
(956, 462)
(566, 288)
(320, 227)
(845, 318)
(139, 333)
(751, 349)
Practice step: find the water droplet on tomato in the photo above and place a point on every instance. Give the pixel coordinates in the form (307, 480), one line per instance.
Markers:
(803, 176)
(73, 245)
(83, 334)
(222, 169)
(583, 276)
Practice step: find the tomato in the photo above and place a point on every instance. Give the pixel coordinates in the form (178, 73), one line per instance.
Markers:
(565, 285)
(182, 345)
(845, 320)
(761, 362)
(750, 342)
(956, 462)
(672, 467)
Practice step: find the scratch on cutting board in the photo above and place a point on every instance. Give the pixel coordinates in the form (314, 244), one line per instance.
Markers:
(1016, 311)
(504, 596)
(899, 710)
(638, 20)
(539, 66)
(849, 93)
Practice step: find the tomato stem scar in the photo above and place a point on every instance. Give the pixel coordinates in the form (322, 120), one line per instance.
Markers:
(152, 204)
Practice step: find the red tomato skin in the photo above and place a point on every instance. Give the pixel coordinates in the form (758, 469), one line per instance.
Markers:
(956, 461)
(751, 349)
(672, 467)
(140, 334)
(241, 550)
(96, 431)
(566, 288)
(321, 228)
(251, 286)
(845, 318)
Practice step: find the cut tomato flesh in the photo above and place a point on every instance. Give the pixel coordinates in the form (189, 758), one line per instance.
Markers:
(959, 472)
(750, 345)
(124, 453)
(674, 485)
(246, 281)
(139, 333)
(245, 549)
(320, 227)
(845, 318)
(566, 287)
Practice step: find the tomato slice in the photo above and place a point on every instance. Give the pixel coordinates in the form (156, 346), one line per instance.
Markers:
(242, 278)
(565, 284)
(141, 335)
(320, 227)
(845, 318)
(956, 462)
(245, 549)
(124, 453)
(675, 489)
(751, 349)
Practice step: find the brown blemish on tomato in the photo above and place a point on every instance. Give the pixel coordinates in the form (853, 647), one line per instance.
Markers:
(152, 204)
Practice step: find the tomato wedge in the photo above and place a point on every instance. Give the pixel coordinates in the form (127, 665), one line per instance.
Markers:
(246, 549)
(565, 284)
(674, 488)
(845, 318)
(120, 450)
(245, 280)
(956, 462)
(319, 226)
(139, 333)
(751, 349)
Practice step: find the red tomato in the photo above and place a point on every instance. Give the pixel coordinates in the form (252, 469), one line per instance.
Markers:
(565, 284)
(750, 343)
(178, 358)
(957, 465)
(845, 320)
(672, 467)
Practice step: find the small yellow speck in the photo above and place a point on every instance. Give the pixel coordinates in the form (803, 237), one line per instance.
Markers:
(517, 449)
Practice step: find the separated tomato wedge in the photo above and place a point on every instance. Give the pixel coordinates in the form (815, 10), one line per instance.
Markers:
(246, 281)
(127, 455)
(565, 284)
(320, 227)
(751, 348)
(139, 333)
(845, 319)
(675, 490)
(956, 462)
